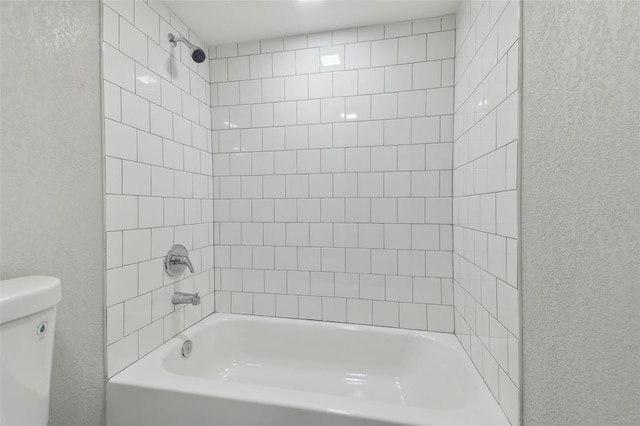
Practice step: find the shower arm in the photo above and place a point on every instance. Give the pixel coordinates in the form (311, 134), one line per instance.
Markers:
(173, 41)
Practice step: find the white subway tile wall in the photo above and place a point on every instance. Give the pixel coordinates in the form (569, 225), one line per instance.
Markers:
(159, 178)
(332, 167)
(485, 194)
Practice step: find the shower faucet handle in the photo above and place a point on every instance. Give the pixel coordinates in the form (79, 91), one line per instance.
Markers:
(177, 260)
(184, 260)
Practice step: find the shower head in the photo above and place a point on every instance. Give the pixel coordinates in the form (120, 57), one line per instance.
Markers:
(197, 54)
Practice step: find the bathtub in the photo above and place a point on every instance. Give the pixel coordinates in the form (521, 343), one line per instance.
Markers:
(246, 370)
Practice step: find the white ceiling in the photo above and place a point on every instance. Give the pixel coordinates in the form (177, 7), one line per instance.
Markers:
(220, 22)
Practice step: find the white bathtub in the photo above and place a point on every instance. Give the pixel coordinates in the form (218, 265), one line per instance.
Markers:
(246, 370)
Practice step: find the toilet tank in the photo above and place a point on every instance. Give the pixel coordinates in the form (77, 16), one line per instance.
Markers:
(27, 325)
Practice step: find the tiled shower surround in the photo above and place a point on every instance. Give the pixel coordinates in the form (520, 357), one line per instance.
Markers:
(485, 194)
(158, 171)
(333, 175)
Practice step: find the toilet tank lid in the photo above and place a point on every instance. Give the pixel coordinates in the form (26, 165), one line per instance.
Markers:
(20, 297)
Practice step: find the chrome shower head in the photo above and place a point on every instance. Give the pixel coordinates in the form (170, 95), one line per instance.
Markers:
(197, 54)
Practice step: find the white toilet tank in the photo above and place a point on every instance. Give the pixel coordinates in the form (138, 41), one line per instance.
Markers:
(27, 325)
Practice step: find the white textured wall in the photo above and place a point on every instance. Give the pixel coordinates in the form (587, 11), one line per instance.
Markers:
(333, 182)
(51, 184)
(581, 213)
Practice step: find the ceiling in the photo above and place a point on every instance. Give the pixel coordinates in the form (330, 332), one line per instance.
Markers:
(220, 22)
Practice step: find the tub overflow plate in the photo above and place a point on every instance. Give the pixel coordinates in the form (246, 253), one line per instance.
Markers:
(187, 347)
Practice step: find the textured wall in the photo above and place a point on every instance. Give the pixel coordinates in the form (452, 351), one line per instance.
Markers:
(581, 213)
(51, 184)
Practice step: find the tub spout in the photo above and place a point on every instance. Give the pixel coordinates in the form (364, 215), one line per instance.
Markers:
(185, 298)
